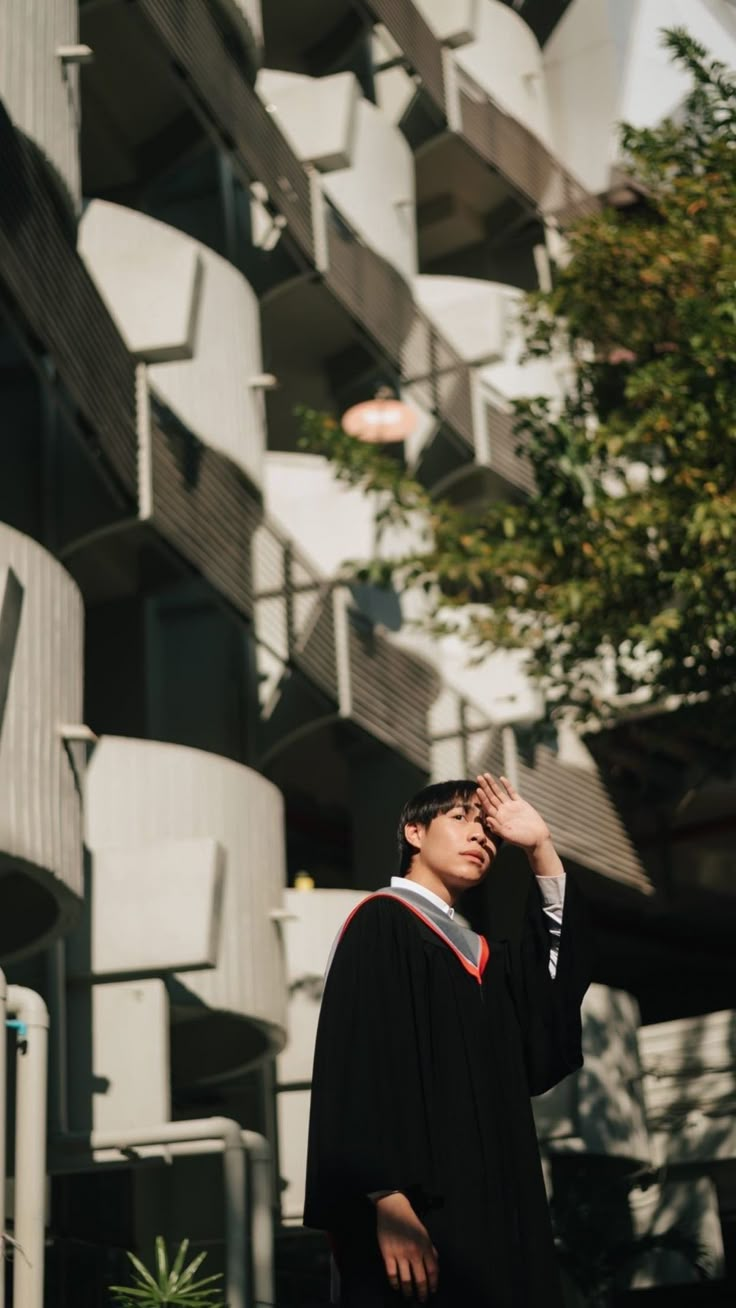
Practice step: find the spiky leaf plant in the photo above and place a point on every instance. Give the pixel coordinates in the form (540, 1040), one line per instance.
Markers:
(171, 1284)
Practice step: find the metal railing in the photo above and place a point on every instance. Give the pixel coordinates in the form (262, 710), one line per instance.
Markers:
(305, 621)
(203, 506)
(197, 45)
(50, 294)
(499, 138)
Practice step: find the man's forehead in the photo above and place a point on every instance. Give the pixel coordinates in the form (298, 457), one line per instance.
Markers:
(470, 806)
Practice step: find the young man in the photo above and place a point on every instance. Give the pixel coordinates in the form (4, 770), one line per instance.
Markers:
(423, 1162)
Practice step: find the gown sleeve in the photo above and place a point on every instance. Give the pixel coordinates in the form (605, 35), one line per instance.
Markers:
(369, 1129)
(548, 1008)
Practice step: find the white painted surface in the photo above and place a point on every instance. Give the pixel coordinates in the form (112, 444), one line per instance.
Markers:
(149, 276)
(128, 1084)
(480, 319)
(40, 822)
(193, 315)
(41, 96)
(332, 522)
(185, 875)
(600, 1109)
(316, 115)
(309, 931)
(251, 12)
(315, 918)
(689, 1070)
(475, 316)
(506, 61)
(454, 22)
(382, 214)
(142, 792)
(608, 56)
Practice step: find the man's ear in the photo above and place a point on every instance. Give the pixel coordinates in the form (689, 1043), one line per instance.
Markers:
(413, 834)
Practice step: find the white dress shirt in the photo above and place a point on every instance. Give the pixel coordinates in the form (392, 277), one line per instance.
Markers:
(552, 890)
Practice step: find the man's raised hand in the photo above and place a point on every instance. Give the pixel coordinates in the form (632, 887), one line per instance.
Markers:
(509, 815)
(408, 1254)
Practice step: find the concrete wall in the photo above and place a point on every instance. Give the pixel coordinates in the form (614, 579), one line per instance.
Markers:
(608, 56)
(506, 61)
(41, 636)
(39, 93)
(352, 143)
(315, 917)
(142, 793)
(250, 10)
(192, 316)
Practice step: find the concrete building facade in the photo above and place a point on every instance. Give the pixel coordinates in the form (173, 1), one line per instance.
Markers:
(211, 212)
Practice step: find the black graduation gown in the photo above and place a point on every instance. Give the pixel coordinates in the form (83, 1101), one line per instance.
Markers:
(422, 1077)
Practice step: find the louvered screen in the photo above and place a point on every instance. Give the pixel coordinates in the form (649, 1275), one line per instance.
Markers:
(391, 691)
(203, 506)
(369, 288)
(514, 468)
(581, 815)
(50, 292)
(193, 37)
(413, 34)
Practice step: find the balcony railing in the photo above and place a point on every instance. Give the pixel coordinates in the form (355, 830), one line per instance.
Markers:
(306, 622)
(49, 292)
(203, 506)
(196, 43)
(501, 140)
(583, 819)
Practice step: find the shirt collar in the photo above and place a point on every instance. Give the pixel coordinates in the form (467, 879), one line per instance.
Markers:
(403, 883)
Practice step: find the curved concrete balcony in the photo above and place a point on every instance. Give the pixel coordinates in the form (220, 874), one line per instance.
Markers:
(585, 66)
(504, 58)
(41, 626)
(39, 88)
(350, 142)
(188, 872)
(192, 317)
(492, 145)
(332, 522)
(348, 671)
(248, 14)
(481, 331)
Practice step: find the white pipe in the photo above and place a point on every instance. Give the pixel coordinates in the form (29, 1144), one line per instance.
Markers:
(30, 1146)
(211, 1135)
(3, 1097)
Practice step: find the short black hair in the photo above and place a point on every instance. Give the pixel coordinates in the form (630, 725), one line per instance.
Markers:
(426, 805)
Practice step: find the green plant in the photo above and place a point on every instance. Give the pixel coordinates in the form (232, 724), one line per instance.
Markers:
(173, 1284)
(617, 575)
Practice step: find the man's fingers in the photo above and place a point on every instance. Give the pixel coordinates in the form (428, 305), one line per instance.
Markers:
(405, 1279)
(421, 1284)
(392, 1271)
(490, 787)
(509, 788)
(433, 1271)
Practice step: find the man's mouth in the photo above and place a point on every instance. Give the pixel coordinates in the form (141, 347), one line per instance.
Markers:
(477, 858)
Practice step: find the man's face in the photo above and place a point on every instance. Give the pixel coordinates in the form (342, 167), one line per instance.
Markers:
(456, 846)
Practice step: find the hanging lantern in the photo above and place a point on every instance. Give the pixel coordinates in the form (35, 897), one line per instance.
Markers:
(380, 421)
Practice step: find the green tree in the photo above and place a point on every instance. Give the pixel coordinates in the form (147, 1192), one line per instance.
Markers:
(624, 558)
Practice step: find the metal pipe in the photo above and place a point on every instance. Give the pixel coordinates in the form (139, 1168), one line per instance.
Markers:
(58, 1039)
(30, 1146)
(248, 1203)
(3, 1099)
